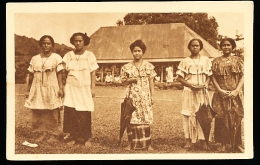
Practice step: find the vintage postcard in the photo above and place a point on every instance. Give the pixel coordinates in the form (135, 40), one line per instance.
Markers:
(168, 58)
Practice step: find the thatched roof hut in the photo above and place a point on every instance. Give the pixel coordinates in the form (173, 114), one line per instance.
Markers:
(165, 42)
(166, 46)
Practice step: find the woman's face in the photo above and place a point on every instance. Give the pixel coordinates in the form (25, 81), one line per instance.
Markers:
(226, 47)
(195, 47)
(46, 45)
(137, 53)
(78, 42)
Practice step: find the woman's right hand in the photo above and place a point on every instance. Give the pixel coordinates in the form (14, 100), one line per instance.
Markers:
(224, 93)
(194, 88)
(132, 80)
(26, 95)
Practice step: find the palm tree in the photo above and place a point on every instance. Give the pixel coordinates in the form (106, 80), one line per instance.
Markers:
(119, 22)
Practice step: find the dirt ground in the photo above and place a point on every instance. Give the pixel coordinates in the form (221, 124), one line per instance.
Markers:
(166, 130)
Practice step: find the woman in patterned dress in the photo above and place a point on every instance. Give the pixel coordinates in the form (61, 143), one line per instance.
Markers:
(45, 90)
(194, 73)
(139, 75)
(80, 66)
(227, 101)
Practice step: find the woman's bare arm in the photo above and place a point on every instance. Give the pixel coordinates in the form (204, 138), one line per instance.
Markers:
(60, 82)
(151, 85)
(93, 82)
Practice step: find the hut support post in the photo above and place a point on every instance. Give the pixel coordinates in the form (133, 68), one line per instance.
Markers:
(102, 72)
(113, 70)
(172, 70)
(161, 73)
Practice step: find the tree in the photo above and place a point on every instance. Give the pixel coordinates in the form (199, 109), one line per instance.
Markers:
(201, 23)
(239, 50)
(119, 22)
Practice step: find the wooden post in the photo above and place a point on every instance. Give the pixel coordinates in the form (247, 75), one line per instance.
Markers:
(162, 73)
(120, 69)
(113, 70)
(102, 72)
(172, 71)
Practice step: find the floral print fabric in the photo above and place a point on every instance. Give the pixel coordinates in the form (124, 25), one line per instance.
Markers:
(227, 74)
(140, 91)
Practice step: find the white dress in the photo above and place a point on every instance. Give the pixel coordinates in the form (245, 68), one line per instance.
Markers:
(44, 89)
(169, 77)
(78, 83)
(194, 71)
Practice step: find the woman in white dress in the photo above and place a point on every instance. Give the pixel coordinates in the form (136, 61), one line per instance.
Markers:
(169, 76)
(80, 66)
(45, 90)
(194, 73)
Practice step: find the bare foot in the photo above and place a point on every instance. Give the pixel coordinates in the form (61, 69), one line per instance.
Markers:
(41, 138)
(67, 136)
(52, 139)
(203, 145)
(188, 144)
(239, 149)
(150, 148)
(71, 143)
(128, 148)
(222, 148)
(87, 144)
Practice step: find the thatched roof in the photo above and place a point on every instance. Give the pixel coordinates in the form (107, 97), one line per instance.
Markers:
(164, 42)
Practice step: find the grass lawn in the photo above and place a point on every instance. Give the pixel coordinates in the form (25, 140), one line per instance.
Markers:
(166, 130)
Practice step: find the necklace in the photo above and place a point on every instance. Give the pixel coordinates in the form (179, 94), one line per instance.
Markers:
(76, 57)
(138, 67)
(197, 66)
(43, 64)
(227, 59)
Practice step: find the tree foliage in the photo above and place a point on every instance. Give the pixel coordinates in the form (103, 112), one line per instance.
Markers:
(119, 22)
(203, 25)
(25, 49)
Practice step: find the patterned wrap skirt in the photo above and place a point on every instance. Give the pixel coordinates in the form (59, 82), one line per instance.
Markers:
(139, 136)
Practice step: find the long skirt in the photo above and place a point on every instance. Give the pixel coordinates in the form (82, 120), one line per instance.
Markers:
(77, 123)
(139, 136)
(228, 132)
(46, 121)
(230, 112)
(192, 129)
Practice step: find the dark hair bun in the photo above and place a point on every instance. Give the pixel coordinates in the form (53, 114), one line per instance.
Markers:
(84, 36)
(139, 43)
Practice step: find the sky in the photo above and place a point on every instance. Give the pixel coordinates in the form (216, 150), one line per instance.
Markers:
(62, 24)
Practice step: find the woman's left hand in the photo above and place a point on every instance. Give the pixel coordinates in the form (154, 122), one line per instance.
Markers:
(206, 85)
(233, 94)
(93, 93)
(152, 101)
(61, 93)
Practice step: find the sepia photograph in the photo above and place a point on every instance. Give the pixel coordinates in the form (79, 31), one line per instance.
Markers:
(129, 80)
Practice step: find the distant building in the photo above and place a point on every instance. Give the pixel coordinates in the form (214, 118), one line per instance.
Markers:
(166, 45)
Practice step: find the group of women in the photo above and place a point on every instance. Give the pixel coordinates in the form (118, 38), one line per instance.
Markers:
(227, 74)
(55, 82)
(46, 91)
